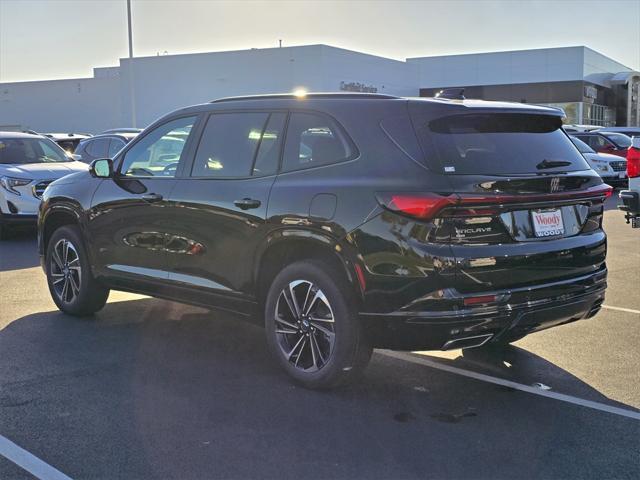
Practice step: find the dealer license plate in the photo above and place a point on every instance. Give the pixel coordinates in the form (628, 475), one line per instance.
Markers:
(547, 223)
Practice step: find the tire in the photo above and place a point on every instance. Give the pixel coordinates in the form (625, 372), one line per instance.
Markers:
(71, 284)
(315, 351)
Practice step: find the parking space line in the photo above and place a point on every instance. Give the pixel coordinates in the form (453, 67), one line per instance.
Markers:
(508, 383)
(621, 309)
(29, 462)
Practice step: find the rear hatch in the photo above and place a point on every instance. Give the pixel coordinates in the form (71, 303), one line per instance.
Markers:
(524, 207)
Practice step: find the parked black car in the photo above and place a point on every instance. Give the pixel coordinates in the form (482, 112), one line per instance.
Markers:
(341, 222)
(102, 146)
(67, 141)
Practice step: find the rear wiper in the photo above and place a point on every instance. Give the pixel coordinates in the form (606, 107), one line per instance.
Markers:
(552, 164)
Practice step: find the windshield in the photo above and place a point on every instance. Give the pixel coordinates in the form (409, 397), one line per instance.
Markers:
(620, 139)
(499, 144)
(581, 146)
(18, 151)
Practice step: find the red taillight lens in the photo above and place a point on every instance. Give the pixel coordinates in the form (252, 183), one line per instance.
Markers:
(423, 206)
(479, 300)
(427, 206)
(633, 162)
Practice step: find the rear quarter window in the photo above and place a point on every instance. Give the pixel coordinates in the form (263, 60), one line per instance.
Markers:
(314, 140)
(497, 143)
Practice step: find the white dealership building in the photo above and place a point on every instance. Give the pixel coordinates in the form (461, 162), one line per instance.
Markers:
(591, 87)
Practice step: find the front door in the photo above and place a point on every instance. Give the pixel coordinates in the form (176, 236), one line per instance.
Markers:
(128, 219)
(221, 205)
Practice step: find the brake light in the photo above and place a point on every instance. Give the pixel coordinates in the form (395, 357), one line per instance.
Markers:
(427, 206)
(423, 206)
(633, 162)
(479, 300)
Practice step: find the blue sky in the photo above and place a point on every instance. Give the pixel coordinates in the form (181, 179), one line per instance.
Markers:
(43, 39)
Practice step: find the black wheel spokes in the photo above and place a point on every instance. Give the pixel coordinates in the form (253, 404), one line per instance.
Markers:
(65, 271)
(305, 325)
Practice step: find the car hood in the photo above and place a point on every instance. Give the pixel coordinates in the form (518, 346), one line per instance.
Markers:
(43, 171)
(603, 157)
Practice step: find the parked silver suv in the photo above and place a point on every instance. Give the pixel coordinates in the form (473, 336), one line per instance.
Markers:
(28, 164)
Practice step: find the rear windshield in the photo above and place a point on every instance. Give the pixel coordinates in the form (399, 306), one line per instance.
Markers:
(18, 151)
(498, 143)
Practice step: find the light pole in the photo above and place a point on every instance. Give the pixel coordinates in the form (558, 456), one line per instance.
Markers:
(131, 87)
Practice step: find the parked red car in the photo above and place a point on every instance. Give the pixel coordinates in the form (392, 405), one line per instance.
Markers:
(606, 142)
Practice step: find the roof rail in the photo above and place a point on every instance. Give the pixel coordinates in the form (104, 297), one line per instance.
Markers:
(451, 93)
(293, 96)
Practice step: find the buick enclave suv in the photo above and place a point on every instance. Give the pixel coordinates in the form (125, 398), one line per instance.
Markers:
(342, 222)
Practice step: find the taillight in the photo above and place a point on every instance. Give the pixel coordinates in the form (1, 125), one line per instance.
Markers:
(424, 206)
(427, 206)
(633, 162)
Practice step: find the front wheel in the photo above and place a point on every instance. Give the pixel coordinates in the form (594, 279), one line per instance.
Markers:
(312, 326)
(71, 284)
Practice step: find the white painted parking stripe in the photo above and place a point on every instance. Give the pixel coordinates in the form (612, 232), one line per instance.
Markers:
(621, 309)
(508, 383)
(29, 462)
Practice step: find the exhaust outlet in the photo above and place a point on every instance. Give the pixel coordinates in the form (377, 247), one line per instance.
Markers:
(467, 342)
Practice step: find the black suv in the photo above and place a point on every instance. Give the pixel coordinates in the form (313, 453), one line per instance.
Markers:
(342, 222)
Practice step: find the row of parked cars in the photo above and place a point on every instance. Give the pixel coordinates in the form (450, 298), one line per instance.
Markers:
(30, 161)
(342, 222)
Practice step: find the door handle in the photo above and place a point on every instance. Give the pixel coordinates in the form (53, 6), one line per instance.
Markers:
(247, 203)
(151, 197)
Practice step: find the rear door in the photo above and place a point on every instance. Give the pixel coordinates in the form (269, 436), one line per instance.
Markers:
(527, 208)
(220, 205)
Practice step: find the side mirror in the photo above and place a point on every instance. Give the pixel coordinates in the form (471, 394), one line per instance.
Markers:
(76, 157)
(102, 168)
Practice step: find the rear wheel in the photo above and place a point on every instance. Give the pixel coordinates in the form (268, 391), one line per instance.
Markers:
(71, 284)
(312, 326)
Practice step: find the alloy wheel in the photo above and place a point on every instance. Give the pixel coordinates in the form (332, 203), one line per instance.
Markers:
(65, 271)
(305, 325)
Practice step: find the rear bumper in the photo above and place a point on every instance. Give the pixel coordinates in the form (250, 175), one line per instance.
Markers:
(630, 202)
(616, 181)
(521, 311)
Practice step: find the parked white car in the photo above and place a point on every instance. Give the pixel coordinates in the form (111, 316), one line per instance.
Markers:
(28, 163)
(631, 197)
(580, 128)
(612, 168)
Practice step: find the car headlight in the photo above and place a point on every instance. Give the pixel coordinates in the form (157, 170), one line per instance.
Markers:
(600, 166)
(9, 183)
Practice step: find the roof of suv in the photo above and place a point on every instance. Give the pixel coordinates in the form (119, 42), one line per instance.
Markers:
(286, 98)
(18, 135)
(123, 135)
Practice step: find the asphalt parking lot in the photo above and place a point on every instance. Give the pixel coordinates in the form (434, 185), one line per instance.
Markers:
(154, 389)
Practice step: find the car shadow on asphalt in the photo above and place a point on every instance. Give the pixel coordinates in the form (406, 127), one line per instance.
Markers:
(153, 389)
(18, 251)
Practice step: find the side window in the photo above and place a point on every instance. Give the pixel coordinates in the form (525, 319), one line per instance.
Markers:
(98, 148)
(115, 146)
(314, 140)
(268, 154)
(598, 142)
(158, 153)
(229, 145)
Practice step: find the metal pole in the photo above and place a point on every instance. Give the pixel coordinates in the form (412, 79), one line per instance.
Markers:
(131, 88)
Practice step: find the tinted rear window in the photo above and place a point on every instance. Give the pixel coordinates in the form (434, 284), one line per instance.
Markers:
(498, 143)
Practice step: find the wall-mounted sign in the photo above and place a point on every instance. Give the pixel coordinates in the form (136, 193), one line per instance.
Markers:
(357, 87)
(590, 92)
